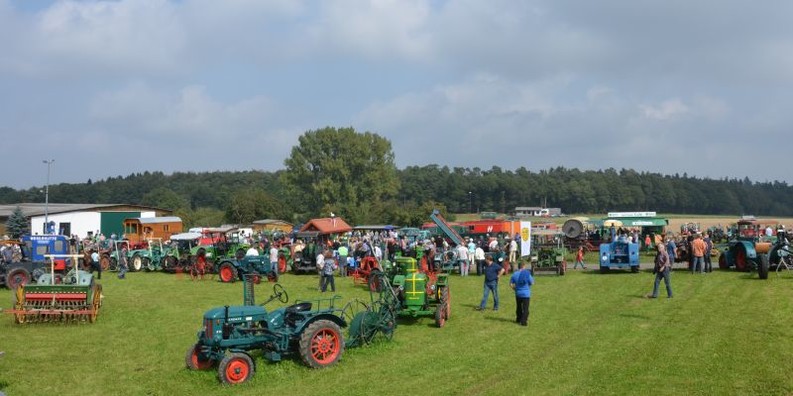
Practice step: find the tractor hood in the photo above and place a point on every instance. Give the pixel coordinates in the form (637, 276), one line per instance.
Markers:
(240, 313)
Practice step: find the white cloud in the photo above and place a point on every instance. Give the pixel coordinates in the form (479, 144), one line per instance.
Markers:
(665, 111)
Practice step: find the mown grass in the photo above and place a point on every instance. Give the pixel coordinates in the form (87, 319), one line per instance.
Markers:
(589, 333)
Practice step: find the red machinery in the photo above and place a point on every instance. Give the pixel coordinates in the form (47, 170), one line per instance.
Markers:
(361, 274)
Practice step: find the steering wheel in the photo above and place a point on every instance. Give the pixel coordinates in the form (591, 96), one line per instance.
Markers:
(279, 292)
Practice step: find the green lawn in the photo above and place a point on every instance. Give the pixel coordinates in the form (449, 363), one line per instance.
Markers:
(723, 333)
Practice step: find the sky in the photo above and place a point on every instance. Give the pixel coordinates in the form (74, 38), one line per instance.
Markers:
(109, 88)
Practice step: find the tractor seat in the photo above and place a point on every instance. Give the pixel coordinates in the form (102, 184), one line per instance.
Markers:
(299, 307)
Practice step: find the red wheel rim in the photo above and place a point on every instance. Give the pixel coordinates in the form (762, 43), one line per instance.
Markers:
(740, 260)
(325, 346)
(225, 274)
(198, 363)
(237, 371)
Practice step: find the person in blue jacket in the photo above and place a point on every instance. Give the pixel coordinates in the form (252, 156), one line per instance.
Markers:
(521, 282)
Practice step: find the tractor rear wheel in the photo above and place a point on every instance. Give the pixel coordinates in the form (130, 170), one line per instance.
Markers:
(741, 262)
(762, 266)
(17, 277)
(446, 299)
(170, 262)
(235, 368)
(195, 361)
(635, 269)
(227, 273)
(321, 344)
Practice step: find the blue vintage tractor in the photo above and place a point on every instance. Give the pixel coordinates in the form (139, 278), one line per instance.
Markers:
(619, 253)
(744, 251)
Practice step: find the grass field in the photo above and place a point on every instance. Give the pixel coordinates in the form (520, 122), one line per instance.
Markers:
(589, 333)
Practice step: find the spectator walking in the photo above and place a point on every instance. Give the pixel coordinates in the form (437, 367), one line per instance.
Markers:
(521, 281)
(671, 250)
(647, 243)
(662, 270)
(327, 272)
(122, 262)
(274, 261)
(698, 247)
(493, 272)
(579, 258)
(95, 265)
(708, 248)
(513, 254)
(343, 253)
(479, 258)
(320, 268)
(462, 258)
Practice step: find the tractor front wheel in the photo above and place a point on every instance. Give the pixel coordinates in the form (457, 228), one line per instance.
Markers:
(235, 369)
(136, 263)
(227, 273)
(113, 264)
(440, 316)
(147, 264)
(321, 344)
(723, 262)
(195, 361)
(762, 266)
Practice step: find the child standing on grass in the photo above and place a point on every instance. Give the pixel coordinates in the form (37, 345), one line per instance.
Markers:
(579, 258)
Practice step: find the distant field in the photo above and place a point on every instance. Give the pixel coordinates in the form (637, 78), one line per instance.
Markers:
(675, 220)
(589, 333)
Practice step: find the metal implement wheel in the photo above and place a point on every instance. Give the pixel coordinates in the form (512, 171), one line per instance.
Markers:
(96, 303)
(279, 292)
(19, 304)
(194, 360)
(321, 344)
(235, 369)
(227, 273)
(17, 277)
(136, 263)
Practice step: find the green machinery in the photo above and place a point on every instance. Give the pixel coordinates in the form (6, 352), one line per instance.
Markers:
(415, 293)
(72, 298)
(309, 329)
(548, 252)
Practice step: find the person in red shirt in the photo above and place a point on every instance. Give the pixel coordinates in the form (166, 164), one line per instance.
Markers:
(579, 258)
(698, 248)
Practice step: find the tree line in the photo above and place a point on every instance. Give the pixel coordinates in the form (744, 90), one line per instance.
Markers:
(353, 175)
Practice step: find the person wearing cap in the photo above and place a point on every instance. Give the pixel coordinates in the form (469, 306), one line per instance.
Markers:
(493, 272)
(698, 248)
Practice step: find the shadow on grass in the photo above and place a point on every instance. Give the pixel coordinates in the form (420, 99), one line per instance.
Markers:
(500, 319)
(634, 316)
(609, 272)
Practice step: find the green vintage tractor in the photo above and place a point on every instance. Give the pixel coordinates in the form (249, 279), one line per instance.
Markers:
(310, 330)
(233, 269)
(548, 252)
(416, 293)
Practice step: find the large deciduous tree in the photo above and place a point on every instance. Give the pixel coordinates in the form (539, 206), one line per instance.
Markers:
(342, 171)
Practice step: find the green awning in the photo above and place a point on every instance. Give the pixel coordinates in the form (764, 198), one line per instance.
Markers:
(643, 221)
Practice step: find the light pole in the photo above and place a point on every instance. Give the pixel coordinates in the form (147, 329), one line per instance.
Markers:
(470, 202)
(47, 198)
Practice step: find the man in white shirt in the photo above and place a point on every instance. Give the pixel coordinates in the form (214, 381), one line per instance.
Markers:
(274, 261)
(252, 251)
(462, 258)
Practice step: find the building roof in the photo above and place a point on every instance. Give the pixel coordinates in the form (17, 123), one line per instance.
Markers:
(328, 225)
(157, 220)
(38, 209)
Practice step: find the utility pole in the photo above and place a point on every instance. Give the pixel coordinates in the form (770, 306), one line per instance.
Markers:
(47, 198)
(470, 202)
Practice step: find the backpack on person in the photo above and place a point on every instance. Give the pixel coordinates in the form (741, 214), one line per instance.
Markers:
(328, 268)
